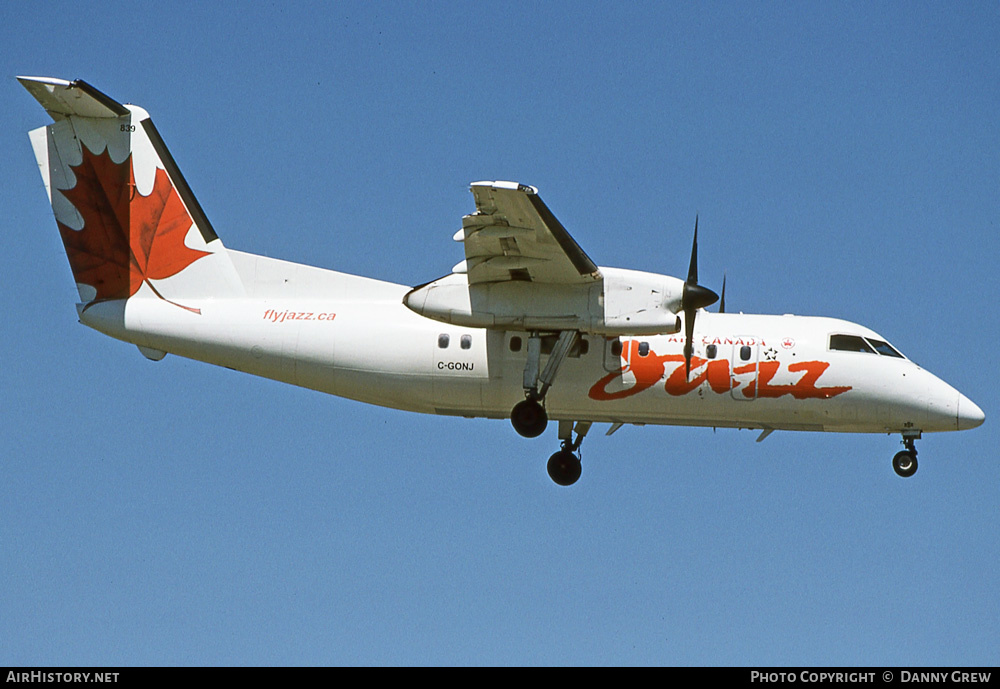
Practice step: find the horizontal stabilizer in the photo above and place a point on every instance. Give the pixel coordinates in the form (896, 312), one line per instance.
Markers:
(62, 98)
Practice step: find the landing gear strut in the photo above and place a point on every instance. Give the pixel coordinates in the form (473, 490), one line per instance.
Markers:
(528, 417)
(905, 462)
(564, 466)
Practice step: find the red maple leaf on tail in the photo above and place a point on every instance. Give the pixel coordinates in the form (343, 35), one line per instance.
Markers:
(127, 238)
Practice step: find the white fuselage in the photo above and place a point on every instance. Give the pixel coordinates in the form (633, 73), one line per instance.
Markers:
(527, 326)
(353, 337)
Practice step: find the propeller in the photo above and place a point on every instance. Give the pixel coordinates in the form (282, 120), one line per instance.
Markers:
(694, 297)
(722, 301)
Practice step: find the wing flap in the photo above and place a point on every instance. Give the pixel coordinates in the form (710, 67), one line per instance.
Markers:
(514, 236)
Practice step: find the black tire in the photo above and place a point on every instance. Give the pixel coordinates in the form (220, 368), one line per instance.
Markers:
(905, 463)
(529, 418)
(564, 468)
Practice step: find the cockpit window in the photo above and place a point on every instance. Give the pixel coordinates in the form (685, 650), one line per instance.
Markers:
(850, 343)
(856, 343)
(884, 348)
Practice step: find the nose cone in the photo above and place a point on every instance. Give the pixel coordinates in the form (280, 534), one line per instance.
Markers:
(969, 414)
(948, 409)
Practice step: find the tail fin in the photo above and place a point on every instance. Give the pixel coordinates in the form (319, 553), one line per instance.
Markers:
(128, 220)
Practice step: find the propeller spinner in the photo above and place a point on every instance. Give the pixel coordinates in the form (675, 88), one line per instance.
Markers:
(694, 297)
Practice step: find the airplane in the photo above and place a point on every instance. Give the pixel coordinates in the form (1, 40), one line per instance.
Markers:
(525, 327)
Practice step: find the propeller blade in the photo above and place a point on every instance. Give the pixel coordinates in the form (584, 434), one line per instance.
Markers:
(688, 347)
(694, 297)
(722, 301)
(693, 268)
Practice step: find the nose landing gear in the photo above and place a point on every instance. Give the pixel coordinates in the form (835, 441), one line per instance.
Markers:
(905, 462)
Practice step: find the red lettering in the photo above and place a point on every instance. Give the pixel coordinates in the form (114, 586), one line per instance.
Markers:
(804, 388)
(649, 370)
(715, 372)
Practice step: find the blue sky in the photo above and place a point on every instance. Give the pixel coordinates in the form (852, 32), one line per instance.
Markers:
(843, 158)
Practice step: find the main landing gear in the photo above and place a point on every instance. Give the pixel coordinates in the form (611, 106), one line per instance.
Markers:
(564, 466)
(528, 417)
(905, 461)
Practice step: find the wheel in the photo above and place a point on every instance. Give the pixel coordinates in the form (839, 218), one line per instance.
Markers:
(564, 468)
(529, 418)
(905, 463)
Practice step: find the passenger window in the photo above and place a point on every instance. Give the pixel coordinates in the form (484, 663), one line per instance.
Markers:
(443, 341)
(616, 348)
(515, 343)
(643, 349)
(711, 351)
(745, 352)
(466, 341)
(584, 345)
(850, 343)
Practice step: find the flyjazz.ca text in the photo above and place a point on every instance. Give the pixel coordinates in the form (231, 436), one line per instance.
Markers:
(285, 316)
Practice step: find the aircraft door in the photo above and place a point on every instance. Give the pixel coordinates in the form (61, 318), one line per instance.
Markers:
(613, 355)
(744, 365)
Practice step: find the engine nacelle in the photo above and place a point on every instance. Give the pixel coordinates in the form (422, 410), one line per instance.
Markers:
(624, 302)
(638, 303)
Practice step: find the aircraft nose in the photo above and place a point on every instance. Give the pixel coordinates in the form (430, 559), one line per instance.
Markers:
(969, 414)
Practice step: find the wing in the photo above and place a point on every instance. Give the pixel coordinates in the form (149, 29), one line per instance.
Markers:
(514, 236)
